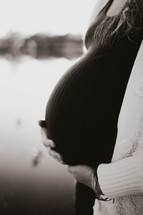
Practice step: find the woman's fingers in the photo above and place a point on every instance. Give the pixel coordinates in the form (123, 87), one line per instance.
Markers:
(56, 155)
(47, 142)
(42, 123)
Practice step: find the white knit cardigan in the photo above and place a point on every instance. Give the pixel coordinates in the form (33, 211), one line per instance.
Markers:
(122, 180)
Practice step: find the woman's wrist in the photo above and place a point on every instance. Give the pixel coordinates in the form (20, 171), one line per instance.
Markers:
(96, 186)
(97, 189)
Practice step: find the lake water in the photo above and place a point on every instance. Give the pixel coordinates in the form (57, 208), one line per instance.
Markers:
(31, 182)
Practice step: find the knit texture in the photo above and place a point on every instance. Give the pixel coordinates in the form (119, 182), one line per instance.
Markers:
(123, 178)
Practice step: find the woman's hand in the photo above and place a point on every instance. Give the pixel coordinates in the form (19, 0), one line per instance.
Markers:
(49, 143)
(83, 174)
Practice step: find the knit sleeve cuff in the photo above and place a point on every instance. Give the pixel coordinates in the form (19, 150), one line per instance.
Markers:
(120, 178)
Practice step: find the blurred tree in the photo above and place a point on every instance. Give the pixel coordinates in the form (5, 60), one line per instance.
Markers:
(42, 46)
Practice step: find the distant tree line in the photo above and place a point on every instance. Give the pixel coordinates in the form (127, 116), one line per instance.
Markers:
(41, 46)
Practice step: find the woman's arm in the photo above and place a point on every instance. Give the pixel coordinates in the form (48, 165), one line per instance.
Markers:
(125, 176)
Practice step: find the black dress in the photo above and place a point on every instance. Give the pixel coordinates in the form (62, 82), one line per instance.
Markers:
(82, 112)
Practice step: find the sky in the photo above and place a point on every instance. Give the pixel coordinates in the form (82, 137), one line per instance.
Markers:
(52, 16)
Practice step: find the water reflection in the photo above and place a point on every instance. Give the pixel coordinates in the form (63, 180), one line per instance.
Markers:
(41, 46)
(31, 182)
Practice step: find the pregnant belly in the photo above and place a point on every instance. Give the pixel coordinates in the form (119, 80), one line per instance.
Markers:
(75, 113)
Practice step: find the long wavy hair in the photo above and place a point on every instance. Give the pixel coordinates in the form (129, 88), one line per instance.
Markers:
(131, 17)
(128, 21)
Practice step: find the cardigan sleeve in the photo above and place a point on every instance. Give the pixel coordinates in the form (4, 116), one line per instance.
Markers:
(123, 177)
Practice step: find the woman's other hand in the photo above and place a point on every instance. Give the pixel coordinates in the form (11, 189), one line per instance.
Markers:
(49, 143)
(83, 174)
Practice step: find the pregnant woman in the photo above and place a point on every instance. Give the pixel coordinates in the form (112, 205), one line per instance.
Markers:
(82, 112)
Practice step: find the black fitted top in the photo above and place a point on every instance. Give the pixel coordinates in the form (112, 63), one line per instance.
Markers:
(83, 109)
